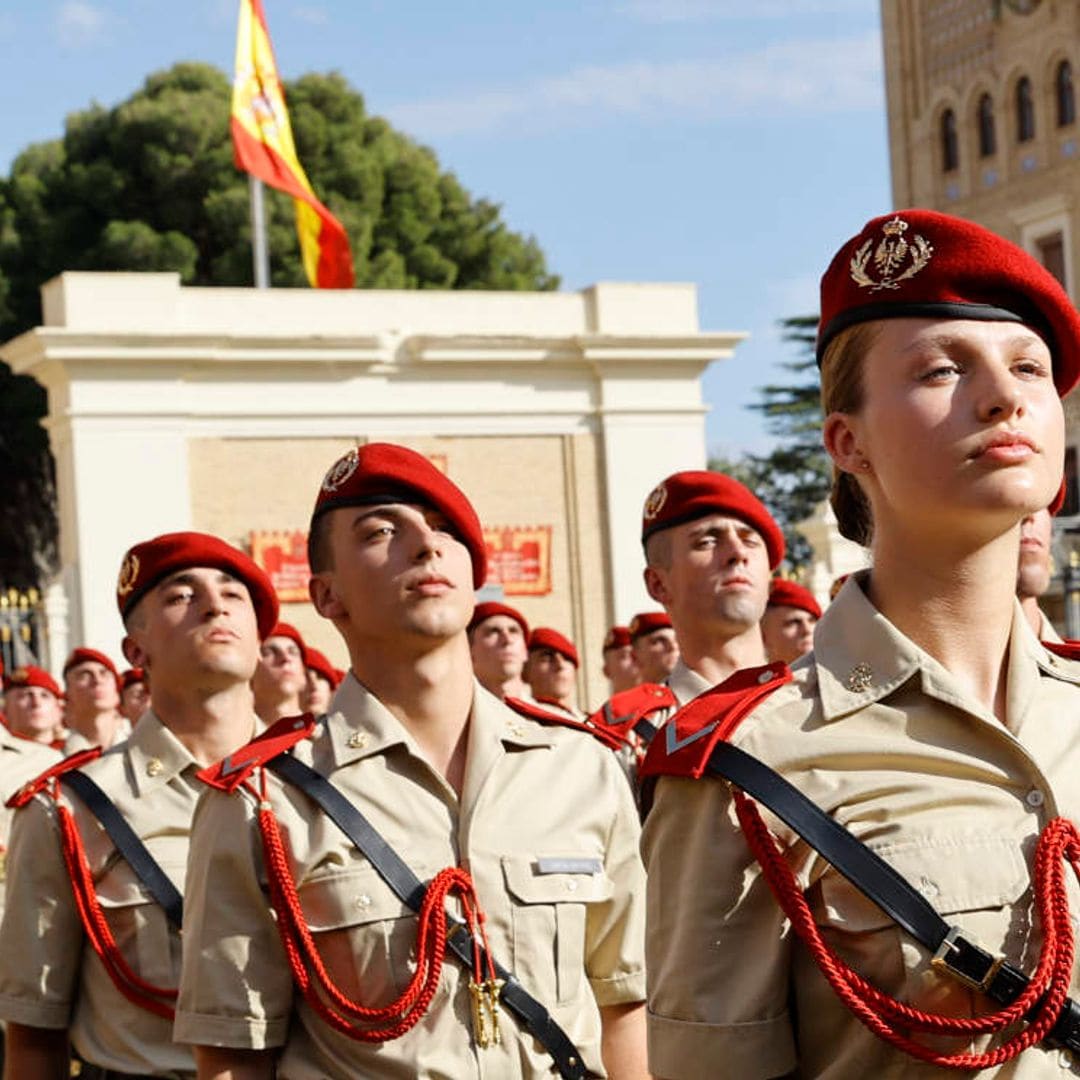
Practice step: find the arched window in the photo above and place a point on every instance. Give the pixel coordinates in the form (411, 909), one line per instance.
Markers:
(987, 136)
(1025, 111)
(1066, 97)
(950, 149)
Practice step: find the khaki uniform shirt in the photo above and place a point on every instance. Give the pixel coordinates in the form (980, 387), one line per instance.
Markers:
(1047, 631)
(557, 874)
(685, 683)
(20, 760)
(76, 741)
(879, 735)
(49, 975)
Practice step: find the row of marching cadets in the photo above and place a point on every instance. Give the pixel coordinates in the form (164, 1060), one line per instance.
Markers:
(855, 860)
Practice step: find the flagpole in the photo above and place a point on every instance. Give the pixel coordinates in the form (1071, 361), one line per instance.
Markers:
(260, 252)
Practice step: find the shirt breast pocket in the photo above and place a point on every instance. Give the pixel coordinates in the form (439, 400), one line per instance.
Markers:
(977, 882)
(551, 894)
(364, 933)
(139, 925)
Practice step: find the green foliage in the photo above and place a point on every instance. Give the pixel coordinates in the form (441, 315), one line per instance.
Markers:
(794, 477)
(151, 185)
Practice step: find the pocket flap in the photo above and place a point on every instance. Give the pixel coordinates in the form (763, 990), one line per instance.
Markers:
(556, 879)
(349, 899)
(954, 873)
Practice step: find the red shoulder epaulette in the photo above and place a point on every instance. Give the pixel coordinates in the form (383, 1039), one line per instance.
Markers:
(38, 784)
(610, 739)
(622, 711)
(233, 769)
(683, 746)
(1068, 649)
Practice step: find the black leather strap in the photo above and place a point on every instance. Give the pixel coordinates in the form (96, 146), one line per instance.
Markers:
(645, 731)
(133, 850)
(877, 880)
(397, 874)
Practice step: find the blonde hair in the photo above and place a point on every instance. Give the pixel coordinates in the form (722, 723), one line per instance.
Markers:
(842, 391)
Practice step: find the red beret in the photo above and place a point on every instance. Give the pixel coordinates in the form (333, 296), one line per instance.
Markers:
(685, 496)
(648, 622)
(89, 656)
(492, 607)
(31, 676)
(318, 663)
(132, 677)
(543, 637)
(922, 264)
(287, 630)
(382, 472)
(786, 593)
(618, 637)
(149, 562)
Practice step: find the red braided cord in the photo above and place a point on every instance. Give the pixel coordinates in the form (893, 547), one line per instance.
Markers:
(304, 958)
(883, 1014)
(98, 933)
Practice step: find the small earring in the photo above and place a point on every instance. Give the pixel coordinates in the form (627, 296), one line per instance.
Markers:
(864, 464)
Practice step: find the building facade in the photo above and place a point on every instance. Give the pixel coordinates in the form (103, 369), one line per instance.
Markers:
(982, 108)
(221, 409)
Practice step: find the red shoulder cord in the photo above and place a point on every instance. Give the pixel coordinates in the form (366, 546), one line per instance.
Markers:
(146, 995)
(888, 1018)
(403, 1014)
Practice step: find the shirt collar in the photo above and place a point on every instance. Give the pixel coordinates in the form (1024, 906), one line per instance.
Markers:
(861, 658)
(359, 725)
(155, 754)
(685, 683)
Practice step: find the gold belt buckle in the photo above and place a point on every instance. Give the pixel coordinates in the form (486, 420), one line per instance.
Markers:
(940, 960)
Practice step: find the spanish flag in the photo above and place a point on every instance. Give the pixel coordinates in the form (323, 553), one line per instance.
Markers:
(263, 146)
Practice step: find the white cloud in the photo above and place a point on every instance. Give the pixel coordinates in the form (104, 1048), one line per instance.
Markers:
(315, 15)
(803, 76)
(79, 23)
(674, 11)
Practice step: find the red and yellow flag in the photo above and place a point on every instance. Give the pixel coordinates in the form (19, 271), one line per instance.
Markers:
(263, 146)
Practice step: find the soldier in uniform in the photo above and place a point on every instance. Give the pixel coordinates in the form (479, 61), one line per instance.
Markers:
(710, 547)
(90, 940)
(281, 677)
(498, 645)
(134, 694)
(929, 735)
(1033, 571)
(787, 627)
(620, 669)
(472, 798)
(551, 671)
(92, 701)
(322, 680)
(32, 704)
(31, 709)
(656, 649)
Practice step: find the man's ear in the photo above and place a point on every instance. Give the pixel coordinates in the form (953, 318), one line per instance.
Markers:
(324, 596)
(134, 654)
(656, 586)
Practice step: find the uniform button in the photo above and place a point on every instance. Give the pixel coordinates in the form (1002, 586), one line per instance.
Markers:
(363, 901)
(1035, 798)
(764, 677)
(571, 886)
(154, 767)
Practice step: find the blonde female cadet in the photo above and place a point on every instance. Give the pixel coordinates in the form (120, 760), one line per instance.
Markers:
(928, 721)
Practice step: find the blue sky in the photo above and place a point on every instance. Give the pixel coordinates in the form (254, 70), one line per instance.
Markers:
(729, 143)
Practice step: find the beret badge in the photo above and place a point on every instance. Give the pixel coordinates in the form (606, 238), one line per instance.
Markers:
(340, 471)
(129, 574)
(655, 502)
(20, 675)
(893, 260)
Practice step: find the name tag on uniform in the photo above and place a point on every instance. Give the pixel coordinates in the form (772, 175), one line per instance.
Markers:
(569, 866)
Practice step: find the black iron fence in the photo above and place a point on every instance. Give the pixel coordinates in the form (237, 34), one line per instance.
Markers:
(22, 627)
